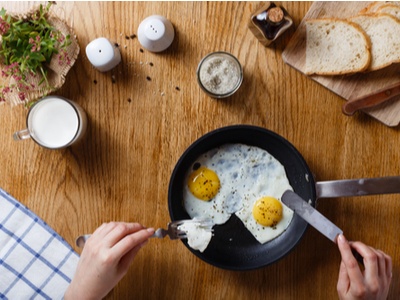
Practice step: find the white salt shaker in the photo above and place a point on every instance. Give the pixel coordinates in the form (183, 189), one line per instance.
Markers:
(102, 54)
(156, 33)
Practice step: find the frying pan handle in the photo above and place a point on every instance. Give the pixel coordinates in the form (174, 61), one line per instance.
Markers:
(358, 187)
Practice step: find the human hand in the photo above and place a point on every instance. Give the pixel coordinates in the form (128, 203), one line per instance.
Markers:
(105, 259)
(372, 283)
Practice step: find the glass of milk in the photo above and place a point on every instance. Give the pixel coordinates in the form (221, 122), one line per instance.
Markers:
(54, 123)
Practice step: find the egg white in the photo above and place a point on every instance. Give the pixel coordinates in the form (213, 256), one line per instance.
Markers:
(246, 173)
(197, 236)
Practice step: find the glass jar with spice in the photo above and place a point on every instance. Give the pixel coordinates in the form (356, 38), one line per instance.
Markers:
(219, 74)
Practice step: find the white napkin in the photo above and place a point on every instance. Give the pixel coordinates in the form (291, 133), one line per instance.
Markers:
(35, 262)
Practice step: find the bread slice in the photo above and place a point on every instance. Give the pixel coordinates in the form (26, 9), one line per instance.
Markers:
(391, 9)
(383, 31)
(375, 6)
(372, 7)
(335, 47)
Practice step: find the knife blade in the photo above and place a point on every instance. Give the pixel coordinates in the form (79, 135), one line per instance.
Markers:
(315, 219)
(311, 215)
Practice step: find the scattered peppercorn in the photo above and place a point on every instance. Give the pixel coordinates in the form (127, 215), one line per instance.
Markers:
(151, 64)
(133, 36)
(177, 88)
(141, 50)
(127, 37)
(95, 81)
(148, 78)
(116, 45)
(129, 100)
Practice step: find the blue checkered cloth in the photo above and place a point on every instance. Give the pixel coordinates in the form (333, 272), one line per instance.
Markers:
(35, 262)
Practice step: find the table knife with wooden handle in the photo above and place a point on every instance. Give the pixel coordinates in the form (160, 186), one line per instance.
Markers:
(353, 105)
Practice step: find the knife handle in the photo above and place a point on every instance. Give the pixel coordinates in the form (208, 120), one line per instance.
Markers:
(353, 105)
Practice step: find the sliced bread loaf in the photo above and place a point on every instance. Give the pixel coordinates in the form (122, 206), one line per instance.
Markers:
(383, 31)
(335, 47)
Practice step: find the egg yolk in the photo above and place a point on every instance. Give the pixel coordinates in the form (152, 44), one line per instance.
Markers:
(204, 183)
(267, 211)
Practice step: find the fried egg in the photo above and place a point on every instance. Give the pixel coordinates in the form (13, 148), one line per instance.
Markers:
(267, 222)
(239, 179)
(225, 163)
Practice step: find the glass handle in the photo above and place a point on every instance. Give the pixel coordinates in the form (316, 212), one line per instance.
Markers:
(21, 135)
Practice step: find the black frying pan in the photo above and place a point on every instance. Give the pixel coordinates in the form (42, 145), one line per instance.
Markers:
(233, 246)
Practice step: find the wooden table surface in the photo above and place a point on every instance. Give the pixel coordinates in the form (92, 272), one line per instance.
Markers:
(144, 114)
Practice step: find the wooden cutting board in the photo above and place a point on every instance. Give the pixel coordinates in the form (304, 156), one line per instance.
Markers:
(357, 85)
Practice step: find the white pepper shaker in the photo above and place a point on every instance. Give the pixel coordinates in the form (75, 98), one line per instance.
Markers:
(102, 54)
